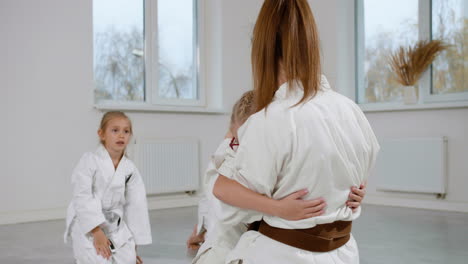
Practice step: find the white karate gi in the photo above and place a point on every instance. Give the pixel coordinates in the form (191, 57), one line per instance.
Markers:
(325, 145)
(220, 238)
(115, 200)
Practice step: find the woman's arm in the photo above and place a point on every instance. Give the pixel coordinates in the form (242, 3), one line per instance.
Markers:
(292, 207)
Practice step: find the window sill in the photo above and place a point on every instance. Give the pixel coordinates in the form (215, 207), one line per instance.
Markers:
(160, 109)
(393, 107)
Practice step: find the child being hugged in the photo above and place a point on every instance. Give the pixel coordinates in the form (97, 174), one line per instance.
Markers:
(210, 237)
(108, 215)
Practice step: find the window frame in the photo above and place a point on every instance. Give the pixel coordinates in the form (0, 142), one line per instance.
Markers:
(426, 99)
(152, 100)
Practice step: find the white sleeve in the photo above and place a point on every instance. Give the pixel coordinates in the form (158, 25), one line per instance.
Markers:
(87, 206)
(373, 146)
(264, 146)
(228, 165)
(206, 208)
(203, 204)
(136, 209)
(217, 159)
(203, 215)
(220, 154)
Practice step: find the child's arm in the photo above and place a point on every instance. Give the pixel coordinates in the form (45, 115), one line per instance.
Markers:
(101, 243)
(198, 235)
(290, 208)
(195, 239)
(136, 209)
(87, 206)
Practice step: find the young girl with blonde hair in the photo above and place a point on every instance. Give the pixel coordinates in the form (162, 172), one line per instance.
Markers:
(108, 215)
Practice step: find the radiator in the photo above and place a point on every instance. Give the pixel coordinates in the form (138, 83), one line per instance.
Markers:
(168, 166)
(416, 165)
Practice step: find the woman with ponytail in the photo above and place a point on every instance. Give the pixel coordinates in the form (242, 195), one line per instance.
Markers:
(303, 135)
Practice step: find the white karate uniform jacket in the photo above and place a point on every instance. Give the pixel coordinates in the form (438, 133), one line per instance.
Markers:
(114, 199)
(220, 238)
(325, 145)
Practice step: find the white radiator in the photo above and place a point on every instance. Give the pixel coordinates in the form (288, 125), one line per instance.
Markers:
(415, 165)
(168, 166)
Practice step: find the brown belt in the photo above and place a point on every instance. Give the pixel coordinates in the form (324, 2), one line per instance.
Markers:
(321, 238)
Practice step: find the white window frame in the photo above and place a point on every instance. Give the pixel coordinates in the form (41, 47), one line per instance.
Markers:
(152, 101)
(426, 99)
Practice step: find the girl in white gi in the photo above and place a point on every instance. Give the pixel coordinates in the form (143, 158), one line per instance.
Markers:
(220, 238)
(303, 135)
(108, 215)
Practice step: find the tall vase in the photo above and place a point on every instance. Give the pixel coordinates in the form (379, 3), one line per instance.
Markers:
(410, 95)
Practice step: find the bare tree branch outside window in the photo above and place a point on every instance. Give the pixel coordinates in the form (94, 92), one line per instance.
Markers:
(119, 45)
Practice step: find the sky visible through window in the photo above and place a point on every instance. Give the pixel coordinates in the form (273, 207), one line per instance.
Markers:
(388, 16)
(119, 49)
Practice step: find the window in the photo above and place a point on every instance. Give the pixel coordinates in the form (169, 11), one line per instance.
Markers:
(385, 25)
(450, 23)
(146, 52)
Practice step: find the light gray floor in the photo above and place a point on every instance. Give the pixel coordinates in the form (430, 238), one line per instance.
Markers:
(384, 235)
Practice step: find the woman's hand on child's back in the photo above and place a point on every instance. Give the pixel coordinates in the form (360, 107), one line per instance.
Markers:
(101, 243)
(292, 207)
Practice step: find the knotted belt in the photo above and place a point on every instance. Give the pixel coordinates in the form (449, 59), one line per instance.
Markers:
(321, 238)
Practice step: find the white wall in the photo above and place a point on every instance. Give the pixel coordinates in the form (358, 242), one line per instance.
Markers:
(430, 123)
(45, 49)
(46, 74)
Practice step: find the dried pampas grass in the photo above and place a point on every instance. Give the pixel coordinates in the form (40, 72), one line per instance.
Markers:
(408, 64)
